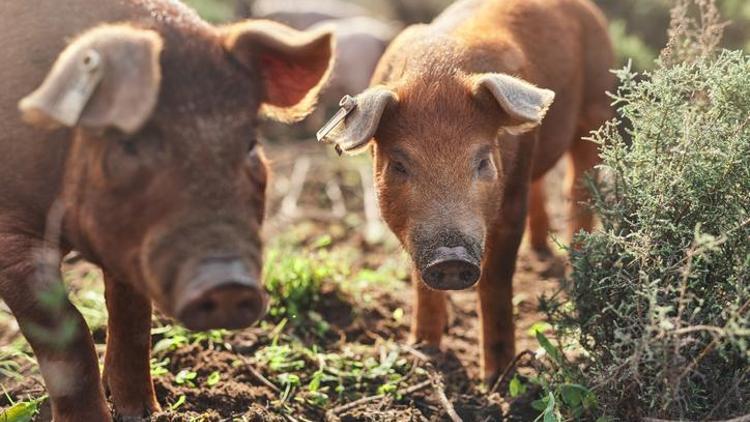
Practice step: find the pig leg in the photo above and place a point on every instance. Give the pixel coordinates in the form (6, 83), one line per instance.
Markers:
(497, 340)
(127, 373)
(538, 219)
(583, 156)
(430, 316)
(56, 331)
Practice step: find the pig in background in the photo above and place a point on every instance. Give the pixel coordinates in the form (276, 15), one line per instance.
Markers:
(141, 154)
(360, 42)
(299, 14)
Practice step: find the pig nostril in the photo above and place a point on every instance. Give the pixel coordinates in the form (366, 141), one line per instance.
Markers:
(246, 304)
(435, 276)
(207, 307)
(467, 275)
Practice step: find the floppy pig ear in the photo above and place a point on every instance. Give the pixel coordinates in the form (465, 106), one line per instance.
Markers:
(352, 128)
(293, 65)
(525, 104)
(108, 77)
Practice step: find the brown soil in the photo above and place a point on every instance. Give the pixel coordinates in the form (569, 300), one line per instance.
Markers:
(241, 395)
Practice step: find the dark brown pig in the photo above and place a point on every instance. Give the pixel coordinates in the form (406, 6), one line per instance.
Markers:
(141, 142)
(454, 117)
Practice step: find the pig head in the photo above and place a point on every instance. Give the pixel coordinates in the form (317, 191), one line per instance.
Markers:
(440, 158)
(164, 184)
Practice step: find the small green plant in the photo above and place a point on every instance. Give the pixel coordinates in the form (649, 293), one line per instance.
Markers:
(21, 411)
(88, 296)
(179, 402)
(295, 282)
(564, 395)
(316, 377)
(159, 367)
(175, 336)
(213, 378)
(186, 377)
(12, 357)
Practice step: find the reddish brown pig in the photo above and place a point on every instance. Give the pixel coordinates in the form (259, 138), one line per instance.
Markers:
(142, 142)
(454, 117)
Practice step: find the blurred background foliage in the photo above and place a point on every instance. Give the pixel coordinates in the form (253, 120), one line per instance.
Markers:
(638, 27)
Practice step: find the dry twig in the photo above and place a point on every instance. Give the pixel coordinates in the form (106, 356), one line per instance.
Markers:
(508, 369)
(369, 399)
(255, 373)
(438, 385)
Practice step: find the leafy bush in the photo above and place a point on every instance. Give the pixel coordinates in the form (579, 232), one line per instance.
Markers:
(661, 292)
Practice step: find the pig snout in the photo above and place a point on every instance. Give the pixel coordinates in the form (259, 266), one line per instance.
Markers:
(451, 269)
(220, 293)
(449, 261)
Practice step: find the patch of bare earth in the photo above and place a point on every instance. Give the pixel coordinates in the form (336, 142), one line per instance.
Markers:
(332, 191)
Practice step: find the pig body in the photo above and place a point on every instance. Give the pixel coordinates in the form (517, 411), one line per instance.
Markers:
(139, 152)
(461, 119)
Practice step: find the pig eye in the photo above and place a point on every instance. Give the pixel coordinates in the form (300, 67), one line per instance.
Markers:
(485, 169)
(129, 146)
(398, 168)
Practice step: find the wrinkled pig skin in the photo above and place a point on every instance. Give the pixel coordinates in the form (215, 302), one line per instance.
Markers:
(464, 116)
(138, 143)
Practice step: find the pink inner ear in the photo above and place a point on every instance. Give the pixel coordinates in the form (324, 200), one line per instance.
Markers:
(287, 82)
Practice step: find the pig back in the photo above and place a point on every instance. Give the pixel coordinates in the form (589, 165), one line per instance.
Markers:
(33, 34)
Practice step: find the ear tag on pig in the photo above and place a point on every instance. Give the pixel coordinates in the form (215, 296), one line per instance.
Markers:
(71, 105)
(348, 104)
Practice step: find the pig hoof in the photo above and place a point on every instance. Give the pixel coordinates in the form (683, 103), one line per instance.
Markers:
(431, 341)
(131, 418)
(135, 416)
(136, 413)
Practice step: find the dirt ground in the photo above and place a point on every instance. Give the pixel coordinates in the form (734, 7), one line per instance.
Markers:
(314, 189)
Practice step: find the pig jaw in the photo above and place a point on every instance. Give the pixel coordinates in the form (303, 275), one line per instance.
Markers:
(446, 259)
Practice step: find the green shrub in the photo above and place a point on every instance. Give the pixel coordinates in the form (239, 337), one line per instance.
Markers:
(661, 293)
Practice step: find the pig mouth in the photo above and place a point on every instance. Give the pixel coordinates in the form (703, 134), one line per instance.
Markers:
(219, 292)
(206, 284)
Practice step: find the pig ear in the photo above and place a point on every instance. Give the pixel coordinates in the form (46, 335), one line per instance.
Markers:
(293, 65)
(108, 77)
(524, 103)
(354, 126)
